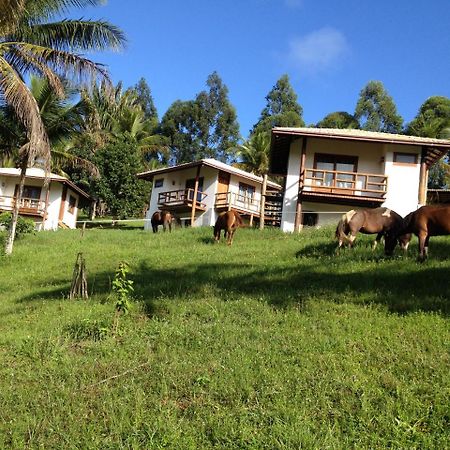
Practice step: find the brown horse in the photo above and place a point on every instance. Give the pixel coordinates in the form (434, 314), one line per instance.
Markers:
(163, 218)
(368, 221)
(425, 222)
(229, 221)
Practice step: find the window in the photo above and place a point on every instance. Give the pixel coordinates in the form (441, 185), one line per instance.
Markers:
(405, 158)
(336, 170)
(30, 196)
(246, 190)
(72, 204)
(158, 183)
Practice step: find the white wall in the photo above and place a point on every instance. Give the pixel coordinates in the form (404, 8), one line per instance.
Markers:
(291, 192)
(54, 203)
(70, 219)
(403, 180)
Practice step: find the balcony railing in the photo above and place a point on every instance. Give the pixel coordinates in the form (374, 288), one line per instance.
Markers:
(340, 183)
(181, 197)
(27, 205)
(237, 201)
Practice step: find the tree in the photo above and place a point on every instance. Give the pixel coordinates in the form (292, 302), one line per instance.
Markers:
(432, 118)
(205, 127)
(145, 100)
(282, 108)
(254, 153)
(29, 44)
(119, 161)
(376, 110)
(338, 119)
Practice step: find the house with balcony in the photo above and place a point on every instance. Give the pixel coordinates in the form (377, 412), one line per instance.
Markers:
(198, 191)
(330, 171)
(52, 204)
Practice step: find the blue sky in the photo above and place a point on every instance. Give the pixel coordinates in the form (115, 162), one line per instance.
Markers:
(330, 49)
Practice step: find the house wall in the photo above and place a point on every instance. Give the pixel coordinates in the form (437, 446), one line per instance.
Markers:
(375, 158)
(54, 202)
(403, 180)
(70, 219)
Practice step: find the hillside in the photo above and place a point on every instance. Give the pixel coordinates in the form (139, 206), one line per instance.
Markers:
(274, 342)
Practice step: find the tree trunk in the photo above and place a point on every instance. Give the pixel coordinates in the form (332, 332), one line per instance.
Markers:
(15, 214)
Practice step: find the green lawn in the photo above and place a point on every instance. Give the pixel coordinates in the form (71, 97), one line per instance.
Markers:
(272, 343)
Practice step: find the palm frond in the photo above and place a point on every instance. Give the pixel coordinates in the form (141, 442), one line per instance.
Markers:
(19, 97)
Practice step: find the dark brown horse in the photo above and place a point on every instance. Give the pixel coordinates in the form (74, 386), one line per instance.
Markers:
(229, 221)
(368, 221)
(163, 218)
(425, 222)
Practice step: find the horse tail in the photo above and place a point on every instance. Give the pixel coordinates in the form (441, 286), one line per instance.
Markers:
(342, 226)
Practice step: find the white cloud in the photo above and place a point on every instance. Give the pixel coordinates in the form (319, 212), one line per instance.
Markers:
(319, 50)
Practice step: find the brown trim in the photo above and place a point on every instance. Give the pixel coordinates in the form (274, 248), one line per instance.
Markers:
(63, 203)
(194, 200)
(344, 159)
(423, 177)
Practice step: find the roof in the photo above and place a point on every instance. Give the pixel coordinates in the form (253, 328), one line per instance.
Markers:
(39, 174)
(209, 162)
(283, 136)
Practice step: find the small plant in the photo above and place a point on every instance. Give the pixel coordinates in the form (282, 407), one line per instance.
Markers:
(88, 329)
(123, 289)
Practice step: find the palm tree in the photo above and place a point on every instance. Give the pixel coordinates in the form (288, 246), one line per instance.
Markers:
(254, 153)
(29, 44)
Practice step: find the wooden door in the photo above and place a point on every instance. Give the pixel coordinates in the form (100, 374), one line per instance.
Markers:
(222, 188)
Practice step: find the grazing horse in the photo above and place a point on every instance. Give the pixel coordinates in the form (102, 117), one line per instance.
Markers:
(367, 221)
(425, 222)
(163, 218)
(229, 221)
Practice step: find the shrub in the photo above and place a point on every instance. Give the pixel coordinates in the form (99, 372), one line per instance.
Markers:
(24, 226)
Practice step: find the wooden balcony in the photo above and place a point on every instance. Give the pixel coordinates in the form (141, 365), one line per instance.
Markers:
(241, 203)
(28, 206)
(356, 186)
(181, 200)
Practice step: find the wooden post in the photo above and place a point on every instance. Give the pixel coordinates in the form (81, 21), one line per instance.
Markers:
(298, 213)
(251, 220)
(194, 200)
(263, 202)
(423, 179)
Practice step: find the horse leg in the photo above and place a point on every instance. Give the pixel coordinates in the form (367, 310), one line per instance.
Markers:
(351, 240)
(155, 228)
(377, 241)
(230, 236)
(423, 243)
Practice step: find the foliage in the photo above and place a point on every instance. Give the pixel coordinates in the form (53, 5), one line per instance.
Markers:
(432, 118)
(376, 110)
(145, 100)
(439, 175)
(118, 162)
(205, 127)
(282, 108)
(88, 329)
(272, 343)
(24, 226)
(254, 153)
(122, 288)
(338, 119)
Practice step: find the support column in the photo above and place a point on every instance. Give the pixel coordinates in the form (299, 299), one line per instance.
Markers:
(263, 202)
(298, 214)
(194, 200)
(47, 195)
(422, 198)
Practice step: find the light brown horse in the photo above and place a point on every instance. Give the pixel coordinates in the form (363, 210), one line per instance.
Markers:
(425, 222)
(368, 221)
(229, 221)
(163, 218)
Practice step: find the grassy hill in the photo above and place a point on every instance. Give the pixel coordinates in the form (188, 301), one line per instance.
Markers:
(272, 343)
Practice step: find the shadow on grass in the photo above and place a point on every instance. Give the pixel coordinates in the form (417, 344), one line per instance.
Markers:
(410, 287)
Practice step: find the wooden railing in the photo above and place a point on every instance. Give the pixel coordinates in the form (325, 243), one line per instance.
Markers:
(181, 197)
(238, 201)
(26, 204)
(344, 183)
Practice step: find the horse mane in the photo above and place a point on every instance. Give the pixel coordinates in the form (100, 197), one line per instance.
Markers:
(406, 222)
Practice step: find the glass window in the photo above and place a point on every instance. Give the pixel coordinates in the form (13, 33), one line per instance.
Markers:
(72, 204)
(405, 158)
(158, 183)
(246, 190)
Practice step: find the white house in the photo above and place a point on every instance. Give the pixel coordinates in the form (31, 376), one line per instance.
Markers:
(50, 205)
(214, 185)
(329, 171)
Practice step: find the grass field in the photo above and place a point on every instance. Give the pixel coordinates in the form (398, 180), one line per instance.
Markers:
(273, 343)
